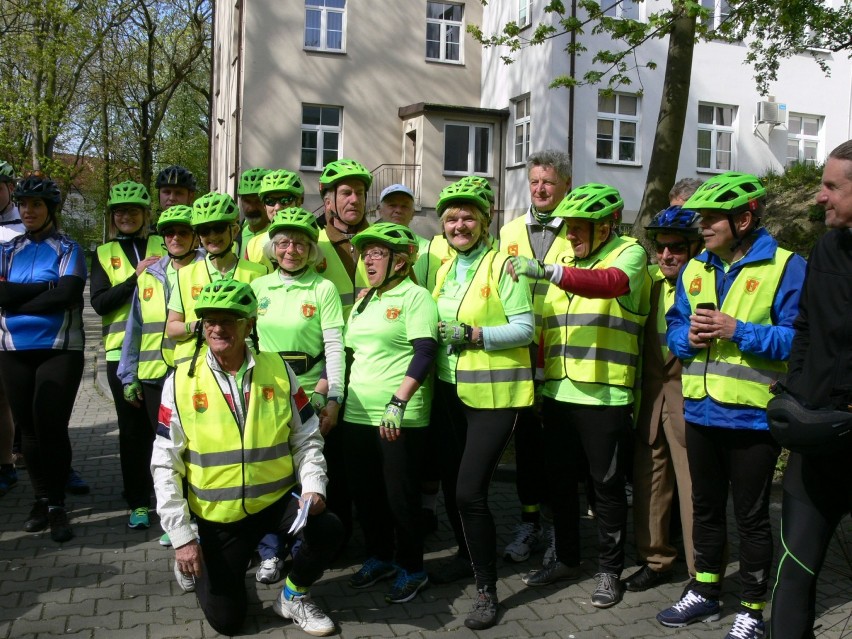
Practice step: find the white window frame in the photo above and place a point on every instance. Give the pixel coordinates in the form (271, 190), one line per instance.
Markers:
(444, 25)
(716, 130)
(623, 9)
(524, 13)
(522, 123)
(472, 128)
(321, 130)
(324, 11)
(720, 11)
(801, 139)
(618, 119)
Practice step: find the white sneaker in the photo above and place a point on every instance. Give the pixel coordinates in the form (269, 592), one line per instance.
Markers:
(527, 539)
(186, 582)
(304, 612)
(550, 553)
(269, 571)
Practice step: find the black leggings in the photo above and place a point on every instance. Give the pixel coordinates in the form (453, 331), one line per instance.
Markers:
(570, 431)
(817, 495)
(41, 386)
(473, 442)
(135, 444)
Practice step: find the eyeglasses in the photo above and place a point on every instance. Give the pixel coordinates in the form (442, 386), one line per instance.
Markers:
(675, 248)
(228, 323)
(375, 254)
(207, 229)
(123, 212)
(283, 245)
(284, 200)
(176, 231)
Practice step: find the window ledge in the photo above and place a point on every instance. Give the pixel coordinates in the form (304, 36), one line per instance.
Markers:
(712, 171)
(619, 163)
(318, 50)
(458, 63)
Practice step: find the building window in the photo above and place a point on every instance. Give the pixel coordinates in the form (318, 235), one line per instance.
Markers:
(803, 139)
(321, 129)
(624, 10)
(325, 22)
(522, 129)
(467, 149)
(618, 125)
(524, 13)
(716, 137)
(718, 12)
(444, 31)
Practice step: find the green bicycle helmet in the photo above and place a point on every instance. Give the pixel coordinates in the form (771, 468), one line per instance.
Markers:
(396, 237)
(730, 192)
(594, 202)
(482, 183)
(7, 173)
(177, 214)
(281, 180)
(227, 295)
(214, 207)
(341, 170)
(128, 193)
(176, 176)
(295, 219)
(466, 192)
(250, 181)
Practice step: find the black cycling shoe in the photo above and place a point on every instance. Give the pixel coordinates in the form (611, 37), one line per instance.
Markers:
(645, 578)
(37, 520)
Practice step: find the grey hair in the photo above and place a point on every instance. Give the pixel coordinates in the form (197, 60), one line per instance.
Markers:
(843, 152)
(314, 252)
(684, 188)
(559, 160)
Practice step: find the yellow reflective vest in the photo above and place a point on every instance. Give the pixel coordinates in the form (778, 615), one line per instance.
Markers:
(489, 379)
(233, 472)
(589, 340)
(254, 251)
(118, 268)
(156, 349)
(332, 269)
(722, 371)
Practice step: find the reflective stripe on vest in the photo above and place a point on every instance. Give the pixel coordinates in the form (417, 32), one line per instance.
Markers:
(593, 341)
(493, 379)
(233, 473)
(156, 350)
(730, 376)
(118, 268)
(332, 269)
(515, 240)
(191, 279)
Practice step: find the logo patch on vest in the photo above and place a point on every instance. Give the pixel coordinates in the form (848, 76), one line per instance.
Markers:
(115, 262)
(512, 249)
(199, 402)
(263, 305)
(148, 293)
(268, 393)
(308, 310)
(751, 285)
(322, 266)
(196, 291)
(392, 313)
(695, 286)
(485, 292)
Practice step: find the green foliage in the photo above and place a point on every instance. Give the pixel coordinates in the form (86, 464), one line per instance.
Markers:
(797, 176)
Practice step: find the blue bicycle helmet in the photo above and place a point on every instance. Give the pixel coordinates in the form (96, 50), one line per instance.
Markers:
(675, 219)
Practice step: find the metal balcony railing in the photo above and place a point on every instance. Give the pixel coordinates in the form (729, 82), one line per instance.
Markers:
(386, 174)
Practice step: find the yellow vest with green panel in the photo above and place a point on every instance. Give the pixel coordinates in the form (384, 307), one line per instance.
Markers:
(332, 269)
(594, 340)
(493, 379)
(232, 473)
(722, 371)
(118, 268)
(156, 349)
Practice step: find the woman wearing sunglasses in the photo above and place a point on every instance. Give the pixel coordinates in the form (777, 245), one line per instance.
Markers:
(280, 189)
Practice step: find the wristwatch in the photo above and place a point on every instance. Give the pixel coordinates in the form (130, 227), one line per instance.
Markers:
(338, 399)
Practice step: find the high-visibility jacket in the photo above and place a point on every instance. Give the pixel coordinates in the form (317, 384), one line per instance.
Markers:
(489, 379)
(591, 340)
(723, 372)
(194, 277)
(233, 472)
(253, 251)
(332, 268)
(156, 349)
(118, 268)
(515, 240)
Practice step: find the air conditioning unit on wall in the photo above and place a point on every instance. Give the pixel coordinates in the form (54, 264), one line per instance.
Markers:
(770, 112)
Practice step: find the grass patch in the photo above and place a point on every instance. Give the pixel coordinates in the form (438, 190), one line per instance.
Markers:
(795, 177)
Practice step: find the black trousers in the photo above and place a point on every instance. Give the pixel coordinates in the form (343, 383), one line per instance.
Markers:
(474, 441)
(744, 462)
(817, 496)
(41, 386)
(228, 548)
(530, 476)
(384, 478)
(598, 432)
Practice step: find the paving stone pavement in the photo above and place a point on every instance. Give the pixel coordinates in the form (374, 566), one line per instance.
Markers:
(110, 582)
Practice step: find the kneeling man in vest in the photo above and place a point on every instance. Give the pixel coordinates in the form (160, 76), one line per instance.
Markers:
(239, 428)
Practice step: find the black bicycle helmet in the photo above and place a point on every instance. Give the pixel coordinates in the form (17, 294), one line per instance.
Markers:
(176, 176)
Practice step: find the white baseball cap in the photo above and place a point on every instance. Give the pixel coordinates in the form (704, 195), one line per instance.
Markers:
(396, 188)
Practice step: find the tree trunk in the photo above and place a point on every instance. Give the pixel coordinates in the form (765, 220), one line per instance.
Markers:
(662, 169)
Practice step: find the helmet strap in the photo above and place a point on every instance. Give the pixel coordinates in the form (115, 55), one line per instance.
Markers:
(227, 249)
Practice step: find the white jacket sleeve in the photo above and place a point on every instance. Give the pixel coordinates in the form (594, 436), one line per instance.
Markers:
(306, 442)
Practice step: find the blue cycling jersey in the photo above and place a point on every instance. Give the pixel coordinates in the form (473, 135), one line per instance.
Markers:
(25, 261)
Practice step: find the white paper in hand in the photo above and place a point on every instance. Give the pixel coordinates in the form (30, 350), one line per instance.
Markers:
(301, 516)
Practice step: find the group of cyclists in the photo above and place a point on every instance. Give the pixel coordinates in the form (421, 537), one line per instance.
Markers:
(412, 361)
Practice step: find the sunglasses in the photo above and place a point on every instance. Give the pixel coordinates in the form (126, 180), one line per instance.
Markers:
(284, 200)
(176, 231)
(675, 248)
(207, 229)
